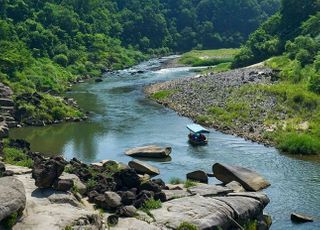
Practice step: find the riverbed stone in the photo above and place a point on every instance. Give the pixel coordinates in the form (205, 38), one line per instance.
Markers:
(127, 211)
(150, 151)
(300, 218)
(249, 179)
(199, 176)
(142, 167)
(175, 194)
(12, 197)
(235, 186)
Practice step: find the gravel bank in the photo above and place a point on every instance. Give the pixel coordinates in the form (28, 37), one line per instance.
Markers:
(193, 97)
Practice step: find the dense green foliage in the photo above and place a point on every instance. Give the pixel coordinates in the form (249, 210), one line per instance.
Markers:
(45, 45)
(293, 33)
(296, 18)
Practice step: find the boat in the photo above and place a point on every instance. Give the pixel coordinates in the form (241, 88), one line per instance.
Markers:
(151, 151)
(196, 135)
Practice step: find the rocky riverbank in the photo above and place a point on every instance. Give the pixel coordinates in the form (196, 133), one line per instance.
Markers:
(60, 194)
(219, 101)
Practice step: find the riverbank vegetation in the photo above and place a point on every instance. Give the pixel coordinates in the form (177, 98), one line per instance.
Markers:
(208, 57)
(292, 35)
(45, 46)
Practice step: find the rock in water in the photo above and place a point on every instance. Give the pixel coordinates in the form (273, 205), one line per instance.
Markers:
(12, 197)
(47, 172)
(300, 218)
(144, 168)
(151, 151)
(249, 179)
(199, 176)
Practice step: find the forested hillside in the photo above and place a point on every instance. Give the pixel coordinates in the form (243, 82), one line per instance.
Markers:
(46, 44)
(291, 39)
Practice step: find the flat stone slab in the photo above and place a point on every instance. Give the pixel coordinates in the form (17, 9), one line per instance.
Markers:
(18, 170)
(144, 168)
(133, 224)
(48, 209)
(207, 212)
(174, 194)
(209, 190)
(150, 151)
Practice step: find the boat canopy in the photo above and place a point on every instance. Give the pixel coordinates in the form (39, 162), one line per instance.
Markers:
(195, 128)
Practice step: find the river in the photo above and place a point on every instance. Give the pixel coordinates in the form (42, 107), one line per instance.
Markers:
(122, 117)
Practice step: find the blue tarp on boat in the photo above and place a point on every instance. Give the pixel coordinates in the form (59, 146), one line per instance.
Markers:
(197, 128)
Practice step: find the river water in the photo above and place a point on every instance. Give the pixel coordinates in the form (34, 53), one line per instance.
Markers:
(122, 117)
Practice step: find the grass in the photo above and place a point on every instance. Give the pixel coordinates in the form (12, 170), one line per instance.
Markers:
(187, 226)
(296, 143)
(149, 205)
(9, 221)
(152, 204)
(251, 225)
(17, 157)
(189, 184)
(163, 94)
(175, 180)
(208, 57)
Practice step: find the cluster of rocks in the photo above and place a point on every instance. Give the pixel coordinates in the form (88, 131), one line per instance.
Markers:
(6, 111)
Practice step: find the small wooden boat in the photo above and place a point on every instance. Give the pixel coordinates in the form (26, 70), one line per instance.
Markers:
(196, 135)
(151, 151)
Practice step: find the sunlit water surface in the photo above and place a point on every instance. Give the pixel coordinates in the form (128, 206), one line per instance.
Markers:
(123, 118)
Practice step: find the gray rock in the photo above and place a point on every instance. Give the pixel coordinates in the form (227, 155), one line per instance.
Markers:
(2, 168)
(151, 151)
(144, 168)
(209, 190)
(63, 185)
(4, 130)
(81, 188)
(235, 186)
(249, 179)
(300, 218)
(12, 197)
(49, 209)
(199, 176)
(128, 211)
(112, 199)
(175, 194)
(207, 212)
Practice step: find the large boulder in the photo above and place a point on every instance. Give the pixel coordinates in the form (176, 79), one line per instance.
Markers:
(144, 168)
(12, 197)
(199, 176)
(47, 172)
(151, 151)
(249, 179)
(208, 212)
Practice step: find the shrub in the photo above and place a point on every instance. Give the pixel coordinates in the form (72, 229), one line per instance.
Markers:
(189, 184)
(314, 83)
(61, 59)
(175, 180)
(187, 226)
(151, 204)
(16, 157)
(295, 143)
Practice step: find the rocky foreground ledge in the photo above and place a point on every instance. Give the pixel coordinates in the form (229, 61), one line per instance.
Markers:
(56, 194)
